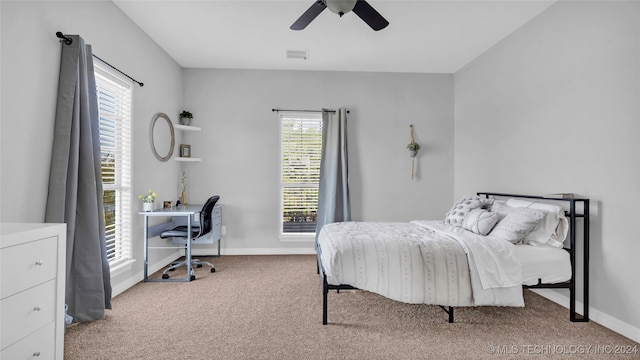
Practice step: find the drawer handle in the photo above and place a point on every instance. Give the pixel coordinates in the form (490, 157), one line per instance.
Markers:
(39, 262)
(37, 308)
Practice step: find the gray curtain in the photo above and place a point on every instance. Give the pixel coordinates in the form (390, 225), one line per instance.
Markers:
(333, 196)
(75, 185)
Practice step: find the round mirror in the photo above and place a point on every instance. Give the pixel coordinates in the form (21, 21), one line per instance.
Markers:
(161, 136)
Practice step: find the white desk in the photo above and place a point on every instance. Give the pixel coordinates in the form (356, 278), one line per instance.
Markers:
(188, 211)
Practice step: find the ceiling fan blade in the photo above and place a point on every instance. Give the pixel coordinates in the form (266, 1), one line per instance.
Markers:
(369, 15)
(309, 15)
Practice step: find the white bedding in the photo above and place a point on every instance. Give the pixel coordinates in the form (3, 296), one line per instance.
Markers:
(550, 264)
(426, 262)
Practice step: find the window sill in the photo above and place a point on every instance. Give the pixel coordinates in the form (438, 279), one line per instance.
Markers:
(298, 237)
(121, 267)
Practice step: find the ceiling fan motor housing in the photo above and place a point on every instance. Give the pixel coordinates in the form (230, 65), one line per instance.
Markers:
(340, 7)
(359, 7)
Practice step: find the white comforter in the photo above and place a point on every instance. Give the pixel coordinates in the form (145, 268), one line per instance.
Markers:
(424, 262)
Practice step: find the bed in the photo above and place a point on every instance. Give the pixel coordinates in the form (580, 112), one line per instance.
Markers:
(486, 250)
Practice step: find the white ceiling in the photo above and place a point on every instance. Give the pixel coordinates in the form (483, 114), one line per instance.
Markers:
(424, 36)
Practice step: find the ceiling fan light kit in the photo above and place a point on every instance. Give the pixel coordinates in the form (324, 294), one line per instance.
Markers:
(360, 7)
(340, 7)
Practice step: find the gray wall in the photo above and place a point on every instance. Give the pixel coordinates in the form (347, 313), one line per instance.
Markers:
(30, 68)
(239, 145)
(555, 108)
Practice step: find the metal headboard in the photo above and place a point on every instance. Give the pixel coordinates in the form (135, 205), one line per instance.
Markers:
(573, 214)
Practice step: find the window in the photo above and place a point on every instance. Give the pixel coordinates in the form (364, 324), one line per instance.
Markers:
(301, 144)
(114, 110)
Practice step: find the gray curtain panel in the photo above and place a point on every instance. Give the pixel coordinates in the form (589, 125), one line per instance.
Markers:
(333, 196)
(75, 185)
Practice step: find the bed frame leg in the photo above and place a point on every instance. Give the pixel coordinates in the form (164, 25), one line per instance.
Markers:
(448, 310)
(325, 291)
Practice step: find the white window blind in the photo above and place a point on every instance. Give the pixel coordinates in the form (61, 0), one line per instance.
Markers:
(114, 106)
(301, 144)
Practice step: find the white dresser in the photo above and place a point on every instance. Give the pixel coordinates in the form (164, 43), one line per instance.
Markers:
(32, 288)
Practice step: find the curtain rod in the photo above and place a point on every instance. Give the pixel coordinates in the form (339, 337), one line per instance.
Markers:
(69, 41)
(331, 111)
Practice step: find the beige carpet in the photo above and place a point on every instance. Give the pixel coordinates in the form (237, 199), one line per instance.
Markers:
(270, 307)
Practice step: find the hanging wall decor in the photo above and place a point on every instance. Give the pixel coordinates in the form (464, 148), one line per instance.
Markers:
(413, 148)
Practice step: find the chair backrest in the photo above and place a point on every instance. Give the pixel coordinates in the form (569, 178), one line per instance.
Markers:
(205, 215)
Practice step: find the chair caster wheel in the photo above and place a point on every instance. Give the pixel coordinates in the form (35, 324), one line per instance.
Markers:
(213, 270)
(165, 276)
(199, 265)
(193, 277)
(172, 269)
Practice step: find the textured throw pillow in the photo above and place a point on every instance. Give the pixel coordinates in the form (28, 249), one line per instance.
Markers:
(480, 221)
(461, 209)
(499, 207)
(516, 223)
(551, 231)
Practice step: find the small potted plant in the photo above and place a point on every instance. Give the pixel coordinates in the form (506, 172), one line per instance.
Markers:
(413, 147)
(148, 200)
(185, 117)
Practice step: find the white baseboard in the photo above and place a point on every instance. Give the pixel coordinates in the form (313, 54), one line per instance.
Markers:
(606, 320)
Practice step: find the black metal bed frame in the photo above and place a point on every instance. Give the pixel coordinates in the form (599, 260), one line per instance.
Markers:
(573, 215)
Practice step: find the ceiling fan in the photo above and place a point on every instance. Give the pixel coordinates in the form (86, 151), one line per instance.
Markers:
(360, 7)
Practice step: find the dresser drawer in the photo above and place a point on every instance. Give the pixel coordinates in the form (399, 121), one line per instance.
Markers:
(27, 265)
(39, 345)
(27, 311)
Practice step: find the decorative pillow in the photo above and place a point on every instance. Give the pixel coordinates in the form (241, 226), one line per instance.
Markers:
(516, 223)
(461, 209)
(500, 207)
(550, 232)
(480, 221)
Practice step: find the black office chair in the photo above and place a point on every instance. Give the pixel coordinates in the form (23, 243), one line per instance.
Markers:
(196, 232)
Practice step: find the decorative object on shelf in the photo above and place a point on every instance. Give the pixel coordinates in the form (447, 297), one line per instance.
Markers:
(148, 200)
(181, 157)
(185, 117)
(166, 205)
(185, 150)
(183, 187)
(157, 135)
(413, 148)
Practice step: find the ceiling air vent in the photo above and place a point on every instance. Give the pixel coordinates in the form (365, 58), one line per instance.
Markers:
(297, 54)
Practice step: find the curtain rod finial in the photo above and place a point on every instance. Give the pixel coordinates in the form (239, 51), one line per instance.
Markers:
(61, 36)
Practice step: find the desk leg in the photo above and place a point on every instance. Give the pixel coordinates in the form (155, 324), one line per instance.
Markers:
(146, 247)
(188, 254)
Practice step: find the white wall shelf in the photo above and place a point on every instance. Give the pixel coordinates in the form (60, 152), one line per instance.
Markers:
(187, 159)
(186, 127)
